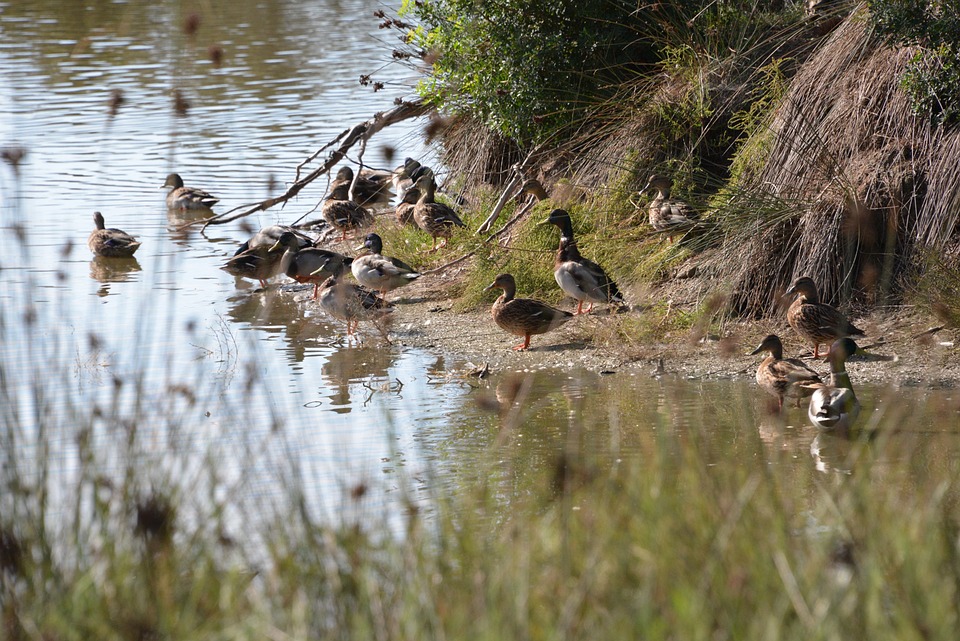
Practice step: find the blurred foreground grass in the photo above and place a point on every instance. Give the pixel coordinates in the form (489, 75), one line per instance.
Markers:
(665, 546)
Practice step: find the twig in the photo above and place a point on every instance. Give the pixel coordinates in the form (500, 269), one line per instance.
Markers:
(929, 332)
(519, 170)
(359, 132)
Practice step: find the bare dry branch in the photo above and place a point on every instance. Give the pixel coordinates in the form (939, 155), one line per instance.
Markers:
(361, 132)
(518, 174)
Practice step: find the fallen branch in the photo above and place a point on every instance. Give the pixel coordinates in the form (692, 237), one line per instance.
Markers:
(519, 171)
(361, 132)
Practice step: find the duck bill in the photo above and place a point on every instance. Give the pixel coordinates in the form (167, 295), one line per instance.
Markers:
(275, 247)
(756, 351)
(321, 268)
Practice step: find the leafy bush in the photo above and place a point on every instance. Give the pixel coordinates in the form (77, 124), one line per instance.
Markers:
(933, 79)
(522, 67)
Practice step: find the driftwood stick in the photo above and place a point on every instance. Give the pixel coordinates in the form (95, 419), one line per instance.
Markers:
(359, 132)
(504, 197)
(519, 171)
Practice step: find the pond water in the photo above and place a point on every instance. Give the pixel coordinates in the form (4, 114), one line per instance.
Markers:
(207, 366)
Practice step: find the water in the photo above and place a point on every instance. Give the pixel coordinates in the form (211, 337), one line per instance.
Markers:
(208, 366)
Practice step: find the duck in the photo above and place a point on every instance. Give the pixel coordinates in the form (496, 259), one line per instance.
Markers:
(668, 215)
(783, 377)
(814, 321)
(835, 406)
(372, 188)
(308, 264)
(379, 272)
(578, 277)
(535, 188)
(109, 242)
(268, 236)
(343, 214)
(351, 303)
(407, 174)
(523, 316)
(182, 198)
(404, 209)
(258, 263)
(437, 219)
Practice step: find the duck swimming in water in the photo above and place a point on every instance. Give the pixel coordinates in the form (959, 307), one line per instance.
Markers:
(835, 406)
(183, 198)
(109, 242)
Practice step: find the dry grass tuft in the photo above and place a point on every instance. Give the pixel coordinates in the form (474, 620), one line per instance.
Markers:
(870, 181)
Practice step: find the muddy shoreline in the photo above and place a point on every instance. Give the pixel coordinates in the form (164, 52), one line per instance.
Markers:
(902, 351)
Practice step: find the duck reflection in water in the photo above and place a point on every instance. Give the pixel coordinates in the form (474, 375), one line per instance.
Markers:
(113, 270)
(274, 311)
(344, 367)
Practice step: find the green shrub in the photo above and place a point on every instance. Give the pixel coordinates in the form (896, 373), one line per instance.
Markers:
(933, 78)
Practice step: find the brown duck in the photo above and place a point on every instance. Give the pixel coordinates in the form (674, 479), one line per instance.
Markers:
(437, 219)
(814, 321)
(109, 242)
(351, 303)
(667, 214)
(523, 316)
(308, 264)
(343, 214)
(404, 209)
(783, 376)
(184, 198)
(372, 188)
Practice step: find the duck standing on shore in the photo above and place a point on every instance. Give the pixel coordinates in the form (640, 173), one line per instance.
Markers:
(578, 277)
(404, 209)
(379, 272)
(407, 174)
(371, 189)
(523, 316)
(109, 242)
(343, 214)
(668, 215)
(835, 406)
(781, 376)
(437, 219)
(815, 321)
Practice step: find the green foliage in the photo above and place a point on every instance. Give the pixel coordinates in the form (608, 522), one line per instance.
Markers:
(753, 122)
(529, 257)
(522, 67)
(933, 79)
